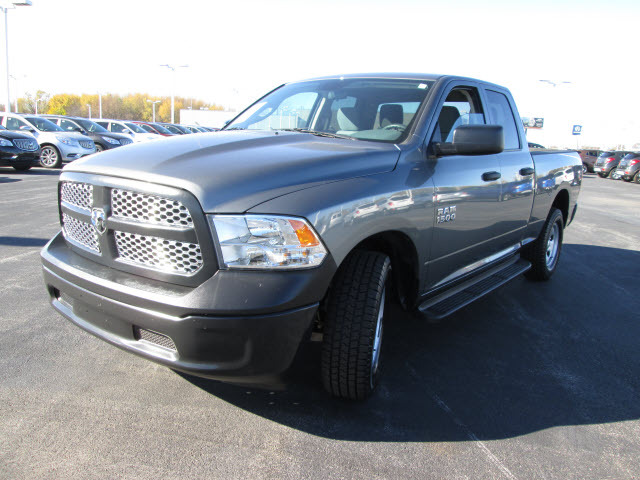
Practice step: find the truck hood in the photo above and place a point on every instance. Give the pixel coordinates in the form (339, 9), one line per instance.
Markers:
(231, 172)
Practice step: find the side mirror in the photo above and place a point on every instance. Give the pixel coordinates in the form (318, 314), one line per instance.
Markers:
(473, 140)
(27, 129)
(83, 131)
(128, 131)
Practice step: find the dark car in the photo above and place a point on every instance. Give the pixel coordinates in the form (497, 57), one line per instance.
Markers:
(607, 162)
(103, 138)
(18, 150)
(629, 168)
(177, 129)
(536, 145)
(156, 128)
(589, 158)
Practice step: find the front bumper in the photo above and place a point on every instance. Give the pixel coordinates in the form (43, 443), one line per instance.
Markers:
(70, 153)
(10, 156)
(236, 326)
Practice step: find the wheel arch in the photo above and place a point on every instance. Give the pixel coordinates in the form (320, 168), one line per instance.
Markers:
(404, 262)
(561, 202)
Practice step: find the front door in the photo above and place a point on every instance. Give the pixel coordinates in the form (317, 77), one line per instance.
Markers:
(467, 191)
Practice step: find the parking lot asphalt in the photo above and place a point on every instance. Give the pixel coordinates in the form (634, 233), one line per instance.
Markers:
(536, 380)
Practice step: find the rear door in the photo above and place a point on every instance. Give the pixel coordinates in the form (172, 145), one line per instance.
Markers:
(517, 170)
(467, 191)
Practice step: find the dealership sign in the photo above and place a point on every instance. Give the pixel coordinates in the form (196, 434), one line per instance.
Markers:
(577, 129)
(531, 122)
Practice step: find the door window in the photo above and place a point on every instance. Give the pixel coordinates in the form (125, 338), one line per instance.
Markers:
(117, 128)
(68, 126)
(461, 107)
(15, 124)
(501, 114)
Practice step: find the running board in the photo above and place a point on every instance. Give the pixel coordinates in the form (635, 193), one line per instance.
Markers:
(452, 300)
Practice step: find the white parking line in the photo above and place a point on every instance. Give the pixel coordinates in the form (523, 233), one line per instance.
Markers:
(472, 436)
(19, 256)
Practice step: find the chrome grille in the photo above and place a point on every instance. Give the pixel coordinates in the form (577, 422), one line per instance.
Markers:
(149, 209)
(26, 144)
(157, 339)
(87, 144)
(159, 253)
(80, 233)
(125, 141)
(78, 194)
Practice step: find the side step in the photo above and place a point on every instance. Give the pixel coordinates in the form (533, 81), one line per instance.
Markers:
(462, 295)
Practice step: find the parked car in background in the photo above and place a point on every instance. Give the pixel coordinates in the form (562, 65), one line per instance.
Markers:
(56, 145)
(155, 129)
(589, 158)
(103, 138)
(629, 167)
(535, 145)
(136, 132)
(607, 162)
(18, 150)
(179, 129)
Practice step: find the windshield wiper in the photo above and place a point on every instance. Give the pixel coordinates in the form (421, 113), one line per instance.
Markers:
(317, 133)
(235, 128)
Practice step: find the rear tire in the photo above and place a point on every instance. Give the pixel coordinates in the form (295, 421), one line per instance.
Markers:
(637, 177)
(585, 168)
(50, 157)
(353, 325)
(544, 253)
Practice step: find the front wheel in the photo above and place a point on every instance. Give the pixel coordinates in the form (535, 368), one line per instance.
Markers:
(99, 148)
(585, 169)
(50, 157)
(544, 253)
(637, 177)
(354, 325)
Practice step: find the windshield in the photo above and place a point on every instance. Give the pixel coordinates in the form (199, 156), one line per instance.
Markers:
(173, 129)
(43, 124)
(91, 127)
(135, 128)
(378, 109)
(161, 129)
(148, 128)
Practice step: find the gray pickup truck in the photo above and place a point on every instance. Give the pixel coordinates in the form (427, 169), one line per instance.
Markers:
(221, 254)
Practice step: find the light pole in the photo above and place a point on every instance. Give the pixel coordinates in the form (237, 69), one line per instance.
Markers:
(153, 106)
(173, 69)
(552, 83)
(89, 107)
(100, 102)
(5, 8)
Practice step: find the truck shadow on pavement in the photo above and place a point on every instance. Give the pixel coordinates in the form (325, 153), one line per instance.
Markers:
(530, 356)
(23, 241)
(9, 180)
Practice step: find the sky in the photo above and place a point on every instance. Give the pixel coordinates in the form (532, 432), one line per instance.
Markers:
(238, 50)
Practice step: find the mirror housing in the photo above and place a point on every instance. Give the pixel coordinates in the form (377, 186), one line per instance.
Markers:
(25, 128)
(473, 140)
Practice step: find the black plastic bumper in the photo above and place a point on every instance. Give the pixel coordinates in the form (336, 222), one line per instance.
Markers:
(11, 156)
(255, 347)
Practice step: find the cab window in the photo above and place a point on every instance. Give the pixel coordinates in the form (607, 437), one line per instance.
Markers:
(501, 114)
(461, 107)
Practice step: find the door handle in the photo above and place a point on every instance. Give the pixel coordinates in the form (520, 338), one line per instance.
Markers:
(527, 171)
(490, 176)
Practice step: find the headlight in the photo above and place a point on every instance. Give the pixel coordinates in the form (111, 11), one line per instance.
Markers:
(5, 143)
(67, 141)
(112, 141)
(266, 242)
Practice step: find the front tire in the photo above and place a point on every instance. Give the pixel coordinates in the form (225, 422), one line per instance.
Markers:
(99, 148)
(50, 157)
(544, 253)
(354, 325)
(637, 177)
(585, 169)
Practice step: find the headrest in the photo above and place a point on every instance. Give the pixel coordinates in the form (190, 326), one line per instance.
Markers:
(348, 118)
(391, 114)
(448, 117)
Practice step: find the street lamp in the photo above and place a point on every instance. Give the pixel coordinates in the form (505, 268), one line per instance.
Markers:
(89, 107)
(5, 6)
(552, 83)
(173, 69)
(153, 106)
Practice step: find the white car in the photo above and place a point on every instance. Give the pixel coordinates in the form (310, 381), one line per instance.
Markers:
(138, 134)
